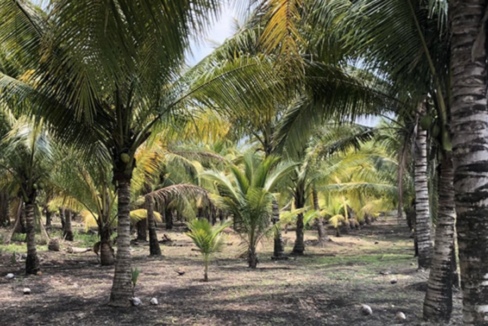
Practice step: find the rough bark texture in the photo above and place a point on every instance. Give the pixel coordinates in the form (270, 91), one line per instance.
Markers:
(438, 299)
(68, 231)
(142, 230)
(299, 246)
(122, 284)
(32, 265)
(470, 149)
(252, 257)
(422, 225)
(322, 233)
(106, 250)
(154, 249)
(279, 247)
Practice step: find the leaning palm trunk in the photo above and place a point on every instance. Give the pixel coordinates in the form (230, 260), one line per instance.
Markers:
(422, 225)
(438, 299)
(16, 223)
(154, 249)
(470, 150)
(122, 286)
(279, 250)
(322, 233)
(32, 265)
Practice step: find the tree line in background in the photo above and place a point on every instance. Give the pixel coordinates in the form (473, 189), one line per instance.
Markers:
(100, 118)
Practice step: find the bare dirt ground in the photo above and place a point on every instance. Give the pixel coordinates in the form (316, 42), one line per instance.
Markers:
(325, 287)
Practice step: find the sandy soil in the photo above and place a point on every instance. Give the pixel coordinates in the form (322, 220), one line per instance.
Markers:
(325, 287)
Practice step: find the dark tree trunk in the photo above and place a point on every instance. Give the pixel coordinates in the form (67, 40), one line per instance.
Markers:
(22, 227)
(106, 250)
(122, 283)
(142, 230)
(168, 215)
(422, 208)
(252, 258)
(438, 299)
(48, 217)
(61, 217)
(154, 249)
(299, 246)
(32, 264)
(279, 247)
(470, 149)
(322, 233)
(4, 209)
(68, 231)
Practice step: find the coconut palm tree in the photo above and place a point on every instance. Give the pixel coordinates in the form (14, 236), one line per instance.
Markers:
(420, 67)
(25, 165)
(247, 194)
(207, 239)
(469, 136)
(111, 76)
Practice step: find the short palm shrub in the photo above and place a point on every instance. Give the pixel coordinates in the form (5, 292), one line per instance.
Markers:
(208, 239)
(247, 194)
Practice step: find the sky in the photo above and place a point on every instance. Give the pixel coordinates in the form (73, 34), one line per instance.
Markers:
(223, 28)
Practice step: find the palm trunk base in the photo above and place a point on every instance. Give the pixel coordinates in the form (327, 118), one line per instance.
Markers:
(106, 254)
(142, 230)
(32, 264)
(154, 248)
(122, 289)
(279, 247)
(252, 258)
(68, 236)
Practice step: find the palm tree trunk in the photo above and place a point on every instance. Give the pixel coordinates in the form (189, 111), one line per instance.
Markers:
(4, 209)
(48, 217)
(16, 223)
(61, 217)
(106, 250)
(299, 246)
(32, 265)
(322, 233)
(470, 149)
(279, 248)
(205, 272)
(142, 230)
(154, 249)
(122, 284)
(68, 231)
(252, 257)
(422, 225)
(438, 299)
(168, 216)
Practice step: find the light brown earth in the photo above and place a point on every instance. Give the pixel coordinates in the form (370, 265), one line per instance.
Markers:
(325, 287)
